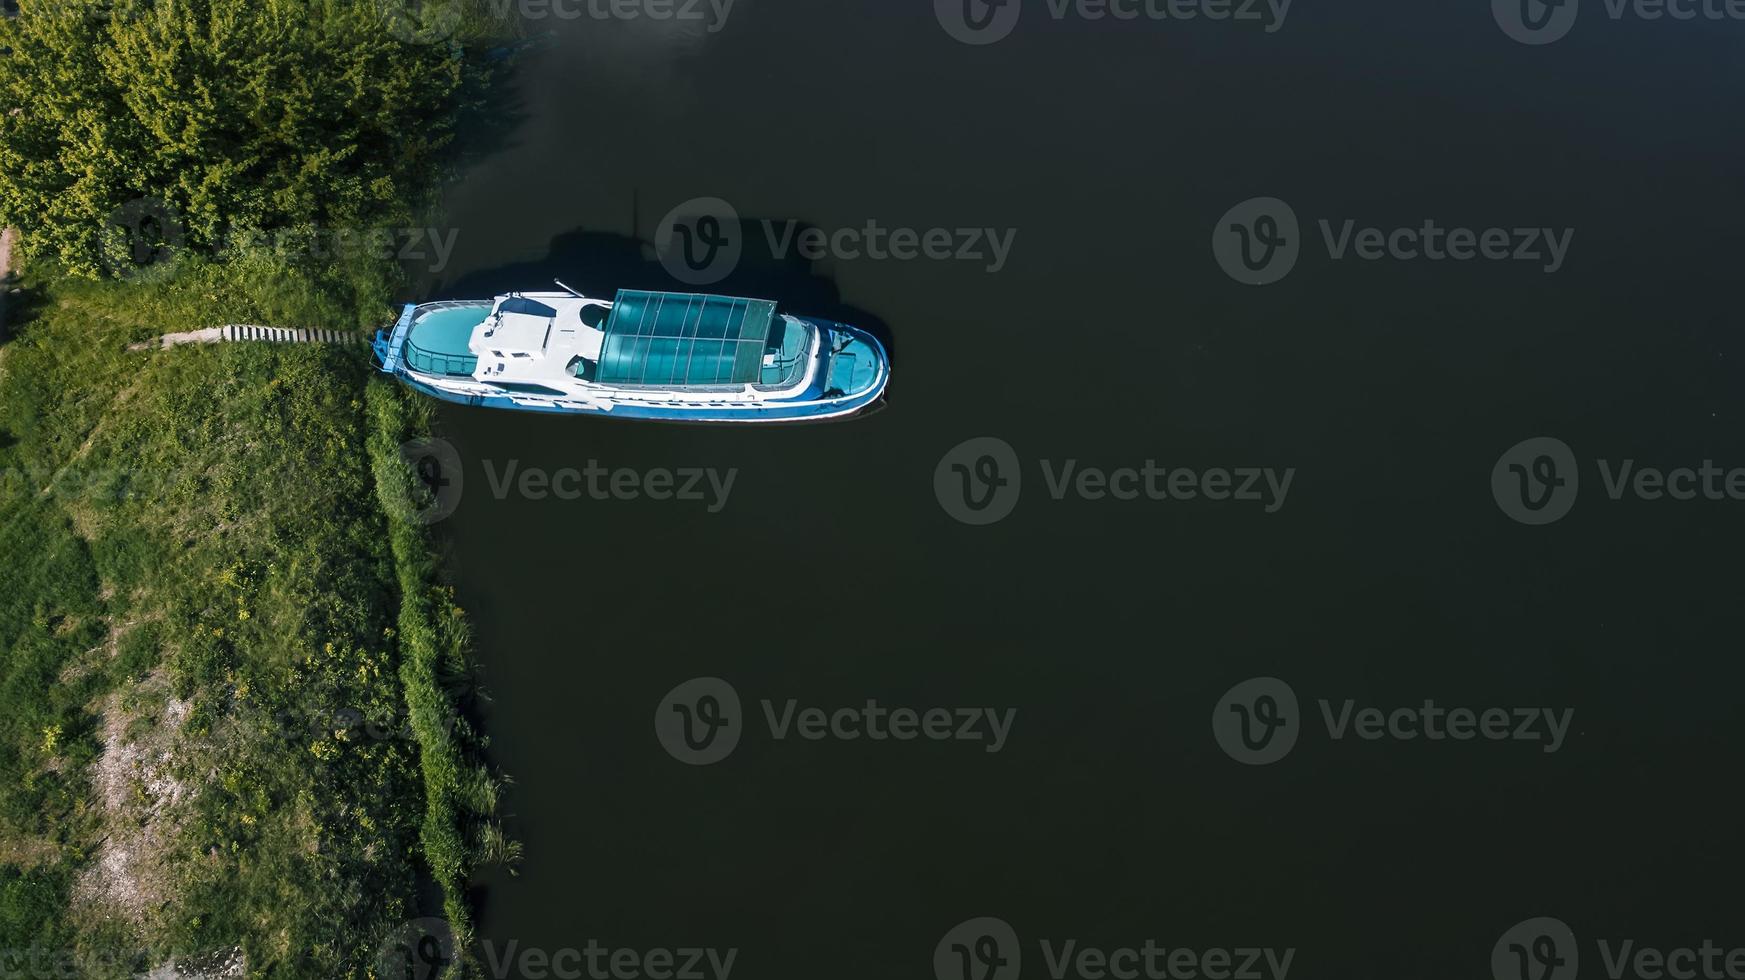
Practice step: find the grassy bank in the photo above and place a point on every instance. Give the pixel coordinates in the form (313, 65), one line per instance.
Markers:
(232, 695)
(228, 682)
(460, 796)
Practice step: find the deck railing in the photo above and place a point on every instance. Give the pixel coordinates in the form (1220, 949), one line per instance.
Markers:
(436, 362)
(431, 362)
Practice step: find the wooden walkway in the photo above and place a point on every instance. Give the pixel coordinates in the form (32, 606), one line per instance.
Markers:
(214, 335)
(247, 331)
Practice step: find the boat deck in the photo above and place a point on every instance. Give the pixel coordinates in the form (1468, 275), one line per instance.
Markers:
(438, 341)
(550, 348)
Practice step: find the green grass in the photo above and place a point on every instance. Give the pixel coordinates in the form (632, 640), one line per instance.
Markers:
(211, 555)
(232, 699)
(460, 795)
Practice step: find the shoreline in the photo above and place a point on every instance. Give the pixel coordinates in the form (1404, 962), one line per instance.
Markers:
(427, 813)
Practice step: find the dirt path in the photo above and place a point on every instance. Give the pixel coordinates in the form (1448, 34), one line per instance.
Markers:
(6, 236)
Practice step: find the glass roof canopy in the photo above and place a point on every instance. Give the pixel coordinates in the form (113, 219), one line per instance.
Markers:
(684, 339)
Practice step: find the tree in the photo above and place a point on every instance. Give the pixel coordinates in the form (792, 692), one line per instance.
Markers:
(188, 121)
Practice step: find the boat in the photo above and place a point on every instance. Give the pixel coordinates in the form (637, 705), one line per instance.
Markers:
(676, 357)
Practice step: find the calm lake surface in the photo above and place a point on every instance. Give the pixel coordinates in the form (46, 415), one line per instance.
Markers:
(1389, 575)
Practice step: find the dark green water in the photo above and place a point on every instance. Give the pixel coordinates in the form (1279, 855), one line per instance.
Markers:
(1389, 576)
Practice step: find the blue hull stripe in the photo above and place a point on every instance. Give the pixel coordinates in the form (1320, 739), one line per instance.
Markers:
(652, 413)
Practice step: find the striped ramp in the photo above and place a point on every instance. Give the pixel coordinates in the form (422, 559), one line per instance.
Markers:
(285, 335)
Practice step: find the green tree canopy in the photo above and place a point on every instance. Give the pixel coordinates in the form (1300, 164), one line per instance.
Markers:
(214, 116)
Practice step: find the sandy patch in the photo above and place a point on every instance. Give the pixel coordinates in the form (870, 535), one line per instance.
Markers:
(134, 787)
(218, 966)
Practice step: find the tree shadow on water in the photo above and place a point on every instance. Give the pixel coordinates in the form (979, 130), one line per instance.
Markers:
(17, 309)
(600, 263)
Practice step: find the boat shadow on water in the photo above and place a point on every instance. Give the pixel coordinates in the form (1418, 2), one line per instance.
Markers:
(601, 263)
